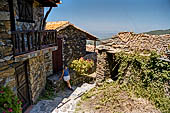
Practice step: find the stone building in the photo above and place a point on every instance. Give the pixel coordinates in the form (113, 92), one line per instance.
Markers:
(73, 39)
(25, 48)
(128, 42)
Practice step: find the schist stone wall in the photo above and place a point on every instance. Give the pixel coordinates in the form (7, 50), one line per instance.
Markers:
(127, 42)
(74, 43)
(38, 68)
(48, 65)
(7, 69)
(102, 70)
(39, 62)
(37, 75)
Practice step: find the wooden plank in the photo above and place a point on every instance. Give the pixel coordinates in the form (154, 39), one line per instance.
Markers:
(23, 85)
(10, 2)
(18, 43)
(49, 38)
(36, 40)
(14, 43)
(23, 42)
(32, 42)
(28, 41)
(53, 38)
(56, 39)
(39, 40)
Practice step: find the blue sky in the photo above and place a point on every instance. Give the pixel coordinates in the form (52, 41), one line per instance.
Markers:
(106, 17)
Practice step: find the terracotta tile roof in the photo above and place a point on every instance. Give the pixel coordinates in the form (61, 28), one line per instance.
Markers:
(59, 25)
(129, 41)
(55, 25)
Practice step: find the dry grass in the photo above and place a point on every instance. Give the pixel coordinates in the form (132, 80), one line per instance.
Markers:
(109, 98)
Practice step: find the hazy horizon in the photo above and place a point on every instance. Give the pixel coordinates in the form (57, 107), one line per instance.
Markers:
(104, 18)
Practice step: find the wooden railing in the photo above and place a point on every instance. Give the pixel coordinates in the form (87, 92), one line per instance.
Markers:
(28, 41)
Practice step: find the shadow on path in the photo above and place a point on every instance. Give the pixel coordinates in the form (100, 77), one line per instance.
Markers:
(65, 100)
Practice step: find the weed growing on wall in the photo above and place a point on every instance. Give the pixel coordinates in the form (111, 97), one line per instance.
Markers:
(146, 76)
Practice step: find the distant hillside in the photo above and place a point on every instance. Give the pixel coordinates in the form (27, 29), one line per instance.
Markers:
(158, 32)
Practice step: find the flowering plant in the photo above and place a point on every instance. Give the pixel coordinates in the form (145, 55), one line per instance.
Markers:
(9, 103)
(82, 66)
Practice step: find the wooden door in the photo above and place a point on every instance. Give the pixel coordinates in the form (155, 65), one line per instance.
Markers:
(22, 85)
(57, 58)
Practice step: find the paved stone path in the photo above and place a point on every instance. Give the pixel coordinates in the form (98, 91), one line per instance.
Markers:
(65, 102)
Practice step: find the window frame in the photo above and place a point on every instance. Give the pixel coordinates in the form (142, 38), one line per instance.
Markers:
(25, 4)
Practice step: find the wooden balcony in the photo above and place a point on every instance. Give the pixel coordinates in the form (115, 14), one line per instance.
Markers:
(29, 41)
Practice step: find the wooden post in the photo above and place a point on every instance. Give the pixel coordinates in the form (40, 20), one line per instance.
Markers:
(18, 42)
(36, 40)
(94, 45)
(28, 41)
(39, 40)
(23, 42)
(14, 43)
(56, 39)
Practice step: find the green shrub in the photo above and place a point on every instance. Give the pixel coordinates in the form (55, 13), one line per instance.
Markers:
(81, 66)
(9, 103)
(148, 77)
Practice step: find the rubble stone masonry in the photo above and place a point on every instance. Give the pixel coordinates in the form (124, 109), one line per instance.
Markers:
(7, 69)
(74, 43)
(39, 62)
(37, 75)
(129, 42)
(102, 70)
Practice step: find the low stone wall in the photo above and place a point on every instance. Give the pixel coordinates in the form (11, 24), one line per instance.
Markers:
(75, 80)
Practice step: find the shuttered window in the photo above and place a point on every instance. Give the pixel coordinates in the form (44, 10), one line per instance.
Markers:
(25, 8)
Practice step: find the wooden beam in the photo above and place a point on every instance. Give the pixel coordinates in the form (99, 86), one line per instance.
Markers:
(94, 45)
(11, 10)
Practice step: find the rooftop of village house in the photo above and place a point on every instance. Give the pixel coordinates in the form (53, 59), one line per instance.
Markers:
(130, 41)
(59, 25)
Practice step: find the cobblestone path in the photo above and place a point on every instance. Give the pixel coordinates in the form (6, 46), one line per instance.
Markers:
(65, 102)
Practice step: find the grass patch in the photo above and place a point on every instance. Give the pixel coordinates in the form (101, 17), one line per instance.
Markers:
(48, 93)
